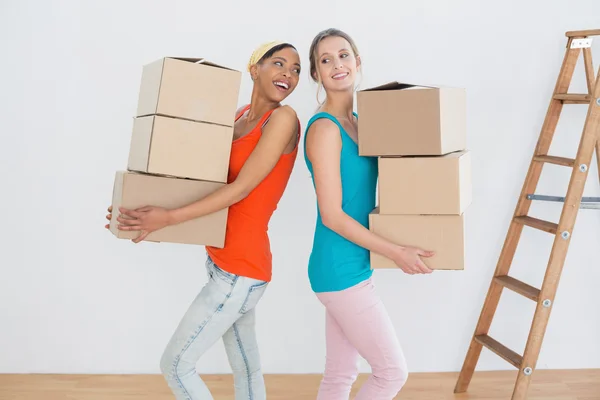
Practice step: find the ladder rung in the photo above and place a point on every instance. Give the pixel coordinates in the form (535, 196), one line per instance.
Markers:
(546, 226)
(515, 359)
(567, 162)
(590, 32)
(585, 203)
(519, 287)
(569, 98)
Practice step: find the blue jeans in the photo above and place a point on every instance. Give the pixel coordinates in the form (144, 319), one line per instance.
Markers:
(224, 308)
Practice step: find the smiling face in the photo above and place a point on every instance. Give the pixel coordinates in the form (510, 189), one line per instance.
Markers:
(336, 64)
(278, 75)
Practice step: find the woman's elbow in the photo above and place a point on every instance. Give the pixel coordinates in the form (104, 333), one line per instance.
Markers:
(330, 219)
(239, 191)
(242, 194)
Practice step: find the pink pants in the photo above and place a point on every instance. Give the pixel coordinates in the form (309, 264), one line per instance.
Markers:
(357, 323)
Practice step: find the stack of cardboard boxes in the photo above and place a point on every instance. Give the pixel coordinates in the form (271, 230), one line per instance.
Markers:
(180, 146)
(419, 135)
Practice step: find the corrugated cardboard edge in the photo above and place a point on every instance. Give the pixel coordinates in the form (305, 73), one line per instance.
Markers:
(466, 174)
(399, 85)
(120, 177)
(453, 114)
(372, 215)
(439, 115)
(133, 163)
(160, 82)
(149, 78)
(388, 264)
(151, 136)
(396, 85)
(203, 61)
(463, 228)
(116, 204)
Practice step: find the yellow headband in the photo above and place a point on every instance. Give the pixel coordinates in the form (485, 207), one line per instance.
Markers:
(261, 51)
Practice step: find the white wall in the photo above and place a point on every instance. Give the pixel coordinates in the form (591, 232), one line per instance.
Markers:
(75, 299)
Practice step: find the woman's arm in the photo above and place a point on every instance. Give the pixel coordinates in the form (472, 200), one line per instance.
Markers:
(276, 135)
(323, 148)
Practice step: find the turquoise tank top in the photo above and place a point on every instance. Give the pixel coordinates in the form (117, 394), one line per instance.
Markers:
(336, 263)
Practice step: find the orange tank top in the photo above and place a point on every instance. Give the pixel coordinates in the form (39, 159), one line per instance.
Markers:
(247, 250)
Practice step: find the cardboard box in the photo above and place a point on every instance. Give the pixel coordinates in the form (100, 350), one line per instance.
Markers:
(425, 185)
(133, 190)
(180, 148)
(189, 88)
(398, 119)
(443, 234)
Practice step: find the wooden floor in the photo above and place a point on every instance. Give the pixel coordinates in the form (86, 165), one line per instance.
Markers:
(547, 385)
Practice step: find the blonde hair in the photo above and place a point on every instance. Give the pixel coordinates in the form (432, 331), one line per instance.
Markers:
(314, 71)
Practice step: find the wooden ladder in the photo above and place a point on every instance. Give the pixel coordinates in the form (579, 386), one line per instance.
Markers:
(544, 297)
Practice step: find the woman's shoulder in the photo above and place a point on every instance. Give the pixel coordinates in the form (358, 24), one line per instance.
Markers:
(323, 121)
(322, 128)
(285, 112)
